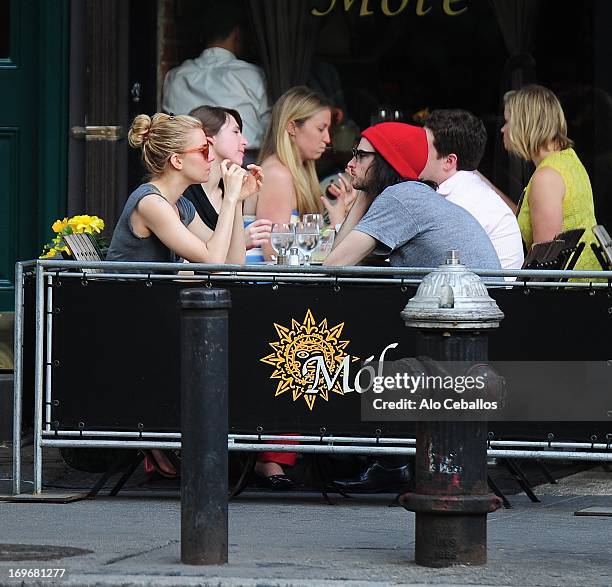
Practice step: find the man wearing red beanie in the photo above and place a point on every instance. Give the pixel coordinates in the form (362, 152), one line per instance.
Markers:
(397, 216)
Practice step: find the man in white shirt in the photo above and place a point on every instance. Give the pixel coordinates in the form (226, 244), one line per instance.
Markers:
(456, 141)
(218, 78)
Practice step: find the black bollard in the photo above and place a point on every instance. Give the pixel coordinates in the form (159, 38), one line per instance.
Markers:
(452, 312)
(204, 391)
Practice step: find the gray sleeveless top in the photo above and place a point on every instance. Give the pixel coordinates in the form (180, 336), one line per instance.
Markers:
(127, 246)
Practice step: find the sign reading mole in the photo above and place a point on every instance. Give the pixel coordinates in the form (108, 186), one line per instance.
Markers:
(393, 7)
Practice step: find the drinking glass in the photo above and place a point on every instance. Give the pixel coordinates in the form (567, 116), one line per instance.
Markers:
(326, 242)
(316, 218)
(306, 238)
(283, 236)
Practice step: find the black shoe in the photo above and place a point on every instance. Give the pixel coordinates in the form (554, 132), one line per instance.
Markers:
(275, 482)
(377, 478)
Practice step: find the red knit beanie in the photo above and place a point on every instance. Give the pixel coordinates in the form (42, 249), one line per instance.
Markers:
(403, 146)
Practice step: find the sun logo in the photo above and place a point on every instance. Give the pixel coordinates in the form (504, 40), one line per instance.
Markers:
(297, 353)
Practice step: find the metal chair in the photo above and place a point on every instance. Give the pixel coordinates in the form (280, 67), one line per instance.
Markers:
(560, 253)
(603, 247)
(84, 248)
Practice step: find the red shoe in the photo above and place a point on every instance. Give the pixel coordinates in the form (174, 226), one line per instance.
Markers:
(156, 461)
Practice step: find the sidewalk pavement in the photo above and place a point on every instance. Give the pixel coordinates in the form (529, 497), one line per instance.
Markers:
(297, 539)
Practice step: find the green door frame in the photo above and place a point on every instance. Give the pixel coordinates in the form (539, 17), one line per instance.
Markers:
(54, 87)
(35, 110)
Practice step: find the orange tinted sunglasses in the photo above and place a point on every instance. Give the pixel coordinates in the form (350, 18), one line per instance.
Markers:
(204, 149)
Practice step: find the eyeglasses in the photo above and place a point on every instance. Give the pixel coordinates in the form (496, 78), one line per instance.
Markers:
(204, 149)
(358, 154)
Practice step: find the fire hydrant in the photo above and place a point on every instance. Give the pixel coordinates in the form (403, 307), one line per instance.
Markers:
(452, 313)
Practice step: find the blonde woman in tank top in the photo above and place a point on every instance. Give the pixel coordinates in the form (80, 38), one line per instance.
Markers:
(157, 223)
(558, 196)
(297, 136)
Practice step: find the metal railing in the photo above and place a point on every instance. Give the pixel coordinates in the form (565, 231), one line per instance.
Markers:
(45, 270)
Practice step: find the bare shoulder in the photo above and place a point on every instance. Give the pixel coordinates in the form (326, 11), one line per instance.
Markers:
(277, 195)
(273, 167)
(547, 182)
(154, 204)
(546, 176)
(275, 171)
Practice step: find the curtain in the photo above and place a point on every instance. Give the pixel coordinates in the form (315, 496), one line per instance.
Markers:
(286, 34)
(517, 21)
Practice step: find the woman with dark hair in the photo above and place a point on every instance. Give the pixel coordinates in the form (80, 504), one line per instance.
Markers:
(223, 127)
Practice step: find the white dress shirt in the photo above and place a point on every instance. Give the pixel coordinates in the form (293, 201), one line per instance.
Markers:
(470, 192)
(218, 78)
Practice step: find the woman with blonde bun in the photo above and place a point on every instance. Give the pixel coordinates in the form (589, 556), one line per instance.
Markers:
(558, 196)
(157, 223)
(297, 136)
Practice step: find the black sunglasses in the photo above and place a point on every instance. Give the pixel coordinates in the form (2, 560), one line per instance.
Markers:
(358, 154)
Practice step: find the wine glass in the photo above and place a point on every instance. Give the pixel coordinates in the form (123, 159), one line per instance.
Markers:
(282, 237)
(315, 218)
(306, 238)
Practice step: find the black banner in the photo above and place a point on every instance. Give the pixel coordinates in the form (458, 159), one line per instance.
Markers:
(116, 353)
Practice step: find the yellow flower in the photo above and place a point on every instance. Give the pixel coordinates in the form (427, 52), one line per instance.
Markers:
(78, 224)
(59, 225)
(96, 224)
(59, 245)
(49, 254)
(86, 223)
(75, 225)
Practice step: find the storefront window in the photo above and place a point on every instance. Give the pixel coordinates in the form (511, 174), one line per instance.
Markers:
(400, 59)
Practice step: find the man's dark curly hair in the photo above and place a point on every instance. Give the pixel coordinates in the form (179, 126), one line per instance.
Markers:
(458, 132)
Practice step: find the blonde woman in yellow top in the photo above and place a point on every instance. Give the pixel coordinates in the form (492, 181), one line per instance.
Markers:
(558, 196)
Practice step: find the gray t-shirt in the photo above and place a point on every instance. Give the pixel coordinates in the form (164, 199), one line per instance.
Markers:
(127, 246)
(416, 227)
